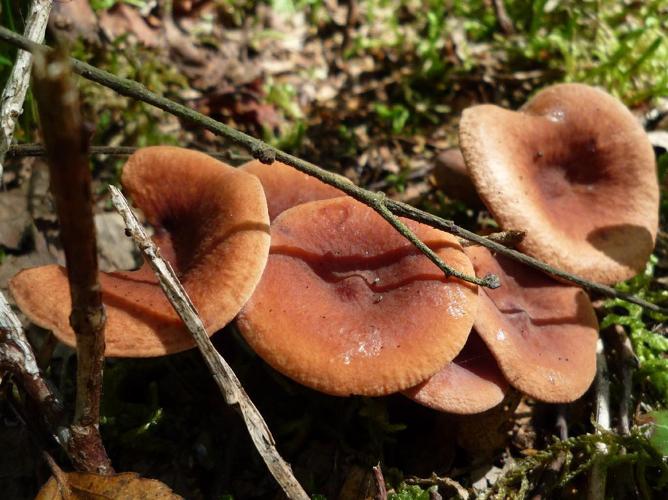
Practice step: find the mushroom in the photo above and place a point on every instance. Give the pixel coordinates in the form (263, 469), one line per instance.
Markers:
(453, 179)
(575, 170)
(212, 225)
(471, 383)
(542, 333)
(286, 187)
(347, 306)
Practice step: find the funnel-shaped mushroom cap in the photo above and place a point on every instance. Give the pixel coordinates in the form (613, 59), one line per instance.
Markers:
(348, 306)
(212, 225)
(573, 169)
(286, 187)
(471, 383)
(452, 177)
(541, 332)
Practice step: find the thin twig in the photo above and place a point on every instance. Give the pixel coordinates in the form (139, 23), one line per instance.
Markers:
(227, 381)
(268, 154)
(505, 23)
(378, 203)
(22, 150)
(508, 239)
(61, 477)
(258, 149)
(17, 358)
(598, 473)
(66, 144)
(16, 88)
(445, 482)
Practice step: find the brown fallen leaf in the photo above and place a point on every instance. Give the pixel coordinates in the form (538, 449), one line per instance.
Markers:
(14, 218)
(123, 19)
(88, 486)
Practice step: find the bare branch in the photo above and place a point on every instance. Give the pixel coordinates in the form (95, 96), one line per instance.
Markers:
(267, 154)
(65, 138)
(227, 381)
(16, 88)
(21, 150)
(17, 358)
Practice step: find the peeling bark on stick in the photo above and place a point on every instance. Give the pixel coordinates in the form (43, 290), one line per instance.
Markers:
(16, 87)
(17, 358)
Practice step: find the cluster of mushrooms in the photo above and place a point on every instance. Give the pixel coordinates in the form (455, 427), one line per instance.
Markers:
(329, 294)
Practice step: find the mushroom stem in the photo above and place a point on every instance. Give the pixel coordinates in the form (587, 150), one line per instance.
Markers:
(628, 362)
(267, 153)
(66, 142)
(227, 381)
(598, 473)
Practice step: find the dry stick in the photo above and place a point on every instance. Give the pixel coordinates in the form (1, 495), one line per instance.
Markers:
(16, 88)
(65, 139)
(460, 492)
(258, 149)
(227, 381)
(505, 23)
(268, 154)
(17, 358)
(21, 150)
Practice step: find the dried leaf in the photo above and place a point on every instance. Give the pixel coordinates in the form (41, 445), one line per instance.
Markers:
(87, 486)
(74, 19)
(14, 218)
(124, 20)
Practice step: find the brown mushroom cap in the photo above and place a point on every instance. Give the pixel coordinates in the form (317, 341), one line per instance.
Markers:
(452, 177)
(286, 187)
(348, 306)
(212, 225)
(573, 169)
(471, 383)
(542, 333)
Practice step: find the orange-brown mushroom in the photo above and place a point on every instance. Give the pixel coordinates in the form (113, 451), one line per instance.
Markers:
(471, 383)
(211, 223)
(575, 170)
(347, 306)
(452, 177)
(542, 333)
(286, 187)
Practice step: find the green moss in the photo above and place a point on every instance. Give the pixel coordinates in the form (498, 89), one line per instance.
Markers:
(650, 347)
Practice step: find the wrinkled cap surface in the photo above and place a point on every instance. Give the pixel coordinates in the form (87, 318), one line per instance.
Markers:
(212, 225)
(348, 306)
(573, 169)
(542, 333)
(471, 383)
(286, 187)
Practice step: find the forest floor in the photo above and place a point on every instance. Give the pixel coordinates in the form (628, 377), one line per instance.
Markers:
(372, 90)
